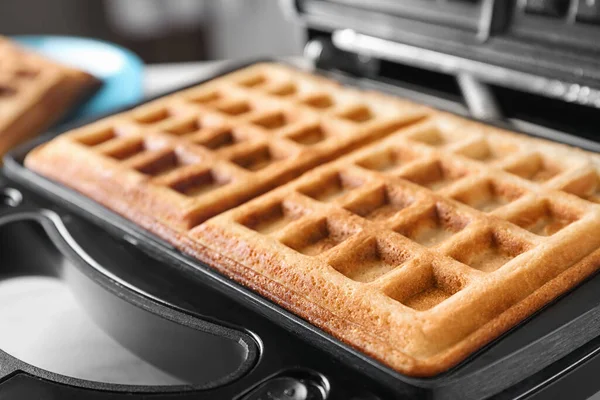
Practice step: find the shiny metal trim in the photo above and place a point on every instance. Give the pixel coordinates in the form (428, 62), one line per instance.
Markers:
(354, 42)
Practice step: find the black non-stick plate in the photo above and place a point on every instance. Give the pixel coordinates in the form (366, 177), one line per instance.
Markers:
(547, 349)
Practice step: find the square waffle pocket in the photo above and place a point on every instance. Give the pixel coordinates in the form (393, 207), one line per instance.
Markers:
(34, 93)
(417, 248)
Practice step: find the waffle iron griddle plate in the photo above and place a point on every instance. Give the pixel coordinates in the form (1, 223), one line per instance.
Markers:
(142, 282)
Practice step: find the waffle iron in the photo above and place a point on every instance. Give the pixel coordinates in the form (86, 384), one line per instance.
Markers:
(497, 61)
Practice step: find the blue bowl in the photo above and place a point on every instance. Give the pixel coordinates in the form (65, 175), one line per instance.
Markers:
(120, 70)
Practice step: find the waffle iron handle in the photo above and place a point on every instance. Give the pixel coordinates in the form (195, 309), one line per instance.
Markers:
(126, 311)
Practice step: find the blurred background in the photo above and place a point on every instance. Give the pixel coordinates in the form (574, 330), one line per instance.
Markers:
(163, 31)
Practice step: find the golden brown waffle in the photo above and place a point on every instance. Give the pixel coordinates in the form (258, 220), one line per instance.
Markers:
(34, 93)
(191, 155)
(417, 249)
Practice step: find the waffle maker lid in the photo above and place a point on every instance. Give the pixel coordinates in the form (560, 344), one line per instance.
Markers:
(544, 47)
